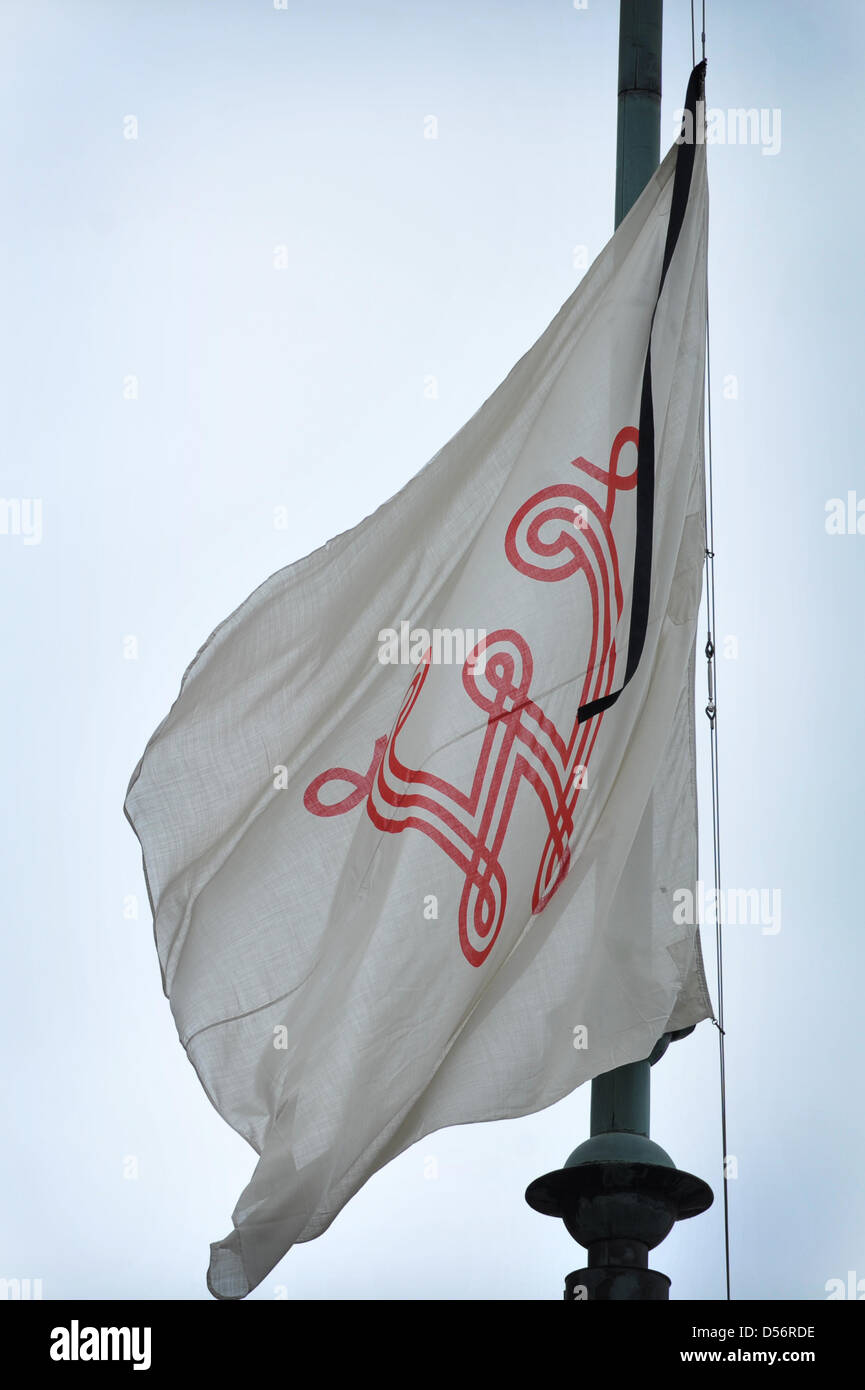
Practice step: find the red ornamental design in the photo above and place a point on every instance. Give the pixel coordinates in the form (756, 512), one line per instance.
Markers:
(520, 742)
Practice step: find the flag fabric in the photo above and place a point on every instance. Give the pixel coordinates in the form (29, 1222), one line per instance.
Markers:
(413, 827)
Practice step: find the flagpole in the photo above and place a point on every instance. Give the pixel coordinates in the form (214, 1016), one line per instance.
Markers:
(621, 1099)
(619, 1194)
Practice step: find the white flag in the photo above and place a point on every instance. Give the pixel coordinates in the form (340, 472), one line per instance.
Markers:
(413, 828)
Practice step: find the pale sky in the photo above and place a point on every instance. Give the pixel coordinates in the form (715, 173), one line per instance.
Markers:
(407, 258)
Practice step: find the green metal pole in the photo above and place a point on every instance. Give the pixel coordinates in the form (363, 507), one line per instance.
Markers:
(621, 1098)
(638, 135)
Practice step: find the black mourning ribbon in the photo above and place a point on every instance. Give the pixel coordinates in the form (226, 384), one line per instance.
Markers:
(642, 588)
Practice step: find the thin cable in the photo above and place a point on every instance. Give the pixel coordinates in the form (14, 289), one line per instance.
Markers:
(693, 43)
(712, 713)
(703, 35)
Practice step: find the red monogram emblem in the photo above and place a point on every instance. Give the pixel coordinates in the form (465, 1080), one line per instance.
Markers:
(520, 742)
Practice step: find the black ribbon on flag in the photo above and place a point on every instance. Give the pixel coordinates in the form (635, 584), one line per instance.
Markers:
(642, 588)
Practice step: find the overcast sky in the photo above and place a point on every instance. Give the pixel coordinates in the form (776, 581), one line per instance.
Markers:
(257, 387)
